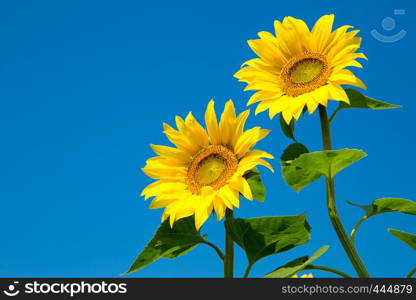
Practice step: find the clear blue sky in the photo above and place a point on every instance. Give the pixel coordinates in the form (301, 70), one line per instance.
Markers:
(86, 85)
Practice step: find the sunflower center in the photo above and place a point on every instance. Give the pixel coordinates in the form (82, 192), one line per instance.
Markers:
(210, 169)
(306, 70)
(304, 73)
(212, 166)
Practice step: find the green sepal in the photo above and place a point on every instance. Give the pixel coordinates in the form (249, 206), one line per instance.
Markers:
(287, 129)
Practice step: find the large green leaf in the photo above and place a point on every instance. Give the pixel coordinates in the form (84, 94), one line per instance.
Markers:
(300, 169)
(358, 100)
(260, 237)
(288, 129)
(405, 237)
(297, 265)
(256, 185)
(328, 163)
(169, 242)
(294, 176)
(386, 205)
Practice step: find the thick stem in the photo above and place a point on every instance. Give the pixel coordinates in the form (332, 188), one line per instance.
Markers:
(346, 243)
(229, 250)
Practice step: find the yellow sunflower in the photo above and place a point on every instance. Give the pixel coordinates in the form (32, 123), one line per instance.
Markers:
(204, 171)
(299, 67)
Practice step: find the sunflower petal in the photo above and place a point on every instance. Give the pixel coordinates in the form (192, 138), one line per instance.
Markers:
(212, 124)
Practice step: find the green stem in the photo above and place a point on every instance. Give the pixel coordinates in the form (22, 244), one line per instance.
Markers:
(413, 272)
(229, 249)
(354, 230)
(220, 254)
(333, 114)
(331, 270)
(248, 270)
(346, 243)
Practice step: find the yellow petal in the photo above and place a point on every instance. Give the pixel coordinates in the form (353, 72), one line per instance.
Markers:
(195, 132)
(287, 116)
(335, 92)
(165, 172)
(248, 139)
(320, 95)
(321, 32)
(180, 140)
(227, 123)
(312, 105)
(160, 202)
(240, 184)
(219, 207)
(161, 187)
(346, 77)
(212, 124)
(171, 153)
(203, 211)
(230, 195)
(239, 126)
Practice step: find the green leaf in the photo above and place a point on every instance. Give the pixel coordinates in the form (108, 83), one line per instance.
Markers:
(358, 100)
(308, 167)
(169, 242)
(292, 152)
(405, 237)
(296, 177)
(260, 237)
(386, 205)
(328, 163)
(297, 265)
(256, 185)
(288, 130)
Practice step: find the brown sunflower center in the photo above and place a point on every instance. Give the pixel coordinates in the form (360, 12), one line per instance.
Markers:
(304, 73)
(212, 166)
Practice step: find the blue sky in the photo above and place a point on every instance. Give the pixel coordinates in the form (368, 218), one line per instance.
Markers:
(86, 85)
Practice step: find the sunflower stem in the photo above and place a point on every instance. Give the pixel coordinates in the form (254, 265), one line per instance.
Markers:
(250, 265)
(229, 249)
(346, 242)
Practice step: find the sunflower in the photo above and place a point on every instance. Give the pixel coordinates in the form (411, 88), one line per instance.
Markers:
(300, 68)
(205, 169)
